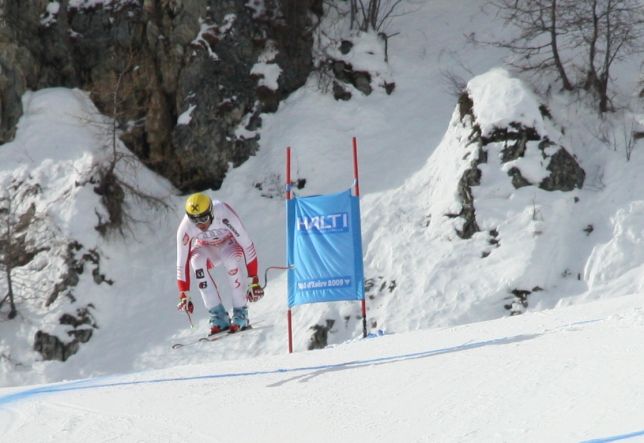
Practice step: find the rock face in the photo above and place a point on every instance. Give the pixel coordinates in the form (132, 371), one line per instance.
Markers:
(505, 152)
(81, 327)
(35, 248)
(564, 172)
(187, 80)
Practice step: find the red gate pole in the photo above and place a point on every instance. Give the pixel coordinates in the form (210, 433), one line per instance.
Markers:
(355, 167)
(357, 193)
(288, 197)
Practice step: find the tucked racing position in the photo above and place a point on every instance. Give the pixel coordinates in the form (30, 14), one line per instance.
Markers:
(211, 234)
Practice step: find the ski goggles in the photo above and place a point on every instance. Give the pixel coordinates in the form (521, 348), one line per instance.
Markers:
(199, 219)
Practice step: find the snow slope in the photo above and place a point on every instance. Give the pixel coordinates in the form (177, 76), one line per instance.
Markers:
(566, 375)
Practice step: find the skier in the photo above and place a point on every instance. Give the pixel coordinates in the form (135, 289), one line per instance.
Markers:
(210, 234)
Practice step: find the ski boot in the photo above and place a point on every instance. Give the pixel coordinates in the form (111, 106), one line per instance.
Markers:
(240, 319)
(219, 319)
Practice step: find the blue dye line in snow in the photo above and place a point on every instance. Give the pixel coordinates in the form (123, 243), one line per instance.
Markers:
(80, 385)
(615, 437)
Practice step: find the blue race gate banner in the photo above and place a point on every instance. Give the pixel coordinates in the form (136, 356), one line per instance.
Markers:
(324, 248)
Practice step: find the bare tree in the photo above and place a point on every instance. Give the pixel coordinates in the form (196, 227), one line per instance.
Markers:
(628, 137)
(454, 83)
(16, 249)
(539, 39)
(609, 30)
(371, 15)
(552, 34)
(115, 92)
(364, 16)
(7, 249)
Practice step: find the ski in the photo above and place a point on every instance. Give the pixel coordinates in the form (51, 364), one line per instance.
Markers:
(210, 338)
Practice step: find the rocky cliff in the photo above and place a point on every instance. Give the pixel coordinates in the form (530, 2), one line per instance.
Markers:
(186, 80)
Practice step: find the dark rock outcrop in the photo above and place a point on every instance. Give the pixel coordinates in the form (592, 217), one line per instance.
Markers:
(51, 347)
(320, 337)
(565, 173)
(161, 60)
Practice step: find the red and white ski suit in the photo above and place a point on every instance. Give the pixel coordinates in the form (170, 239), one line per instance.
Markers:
(225, 241)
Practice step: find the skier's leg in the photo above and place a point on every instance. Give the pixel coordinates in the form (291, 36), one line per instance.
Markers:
(232, 256)
(202, 261)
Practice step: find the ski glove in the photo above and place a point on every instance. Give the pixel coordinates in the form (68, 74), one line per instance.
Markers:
(185, 304)
(255, 291)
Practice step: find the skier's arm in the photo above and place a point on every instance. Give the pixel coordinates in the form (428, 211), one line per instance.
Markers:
(183, 254)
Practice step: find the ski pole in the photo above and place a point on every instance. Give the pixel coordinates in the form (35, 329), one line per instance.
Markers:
(189, 319)
(273, 267)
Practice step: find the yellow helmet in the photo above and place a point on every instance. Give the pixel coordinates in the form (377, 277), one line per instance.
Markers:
(199, 208)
